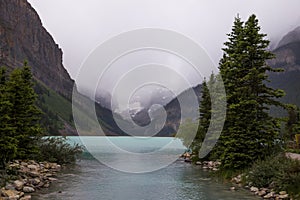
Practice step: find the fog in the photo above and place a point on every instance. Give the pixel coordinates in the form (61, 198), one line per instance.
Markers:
(80, 26)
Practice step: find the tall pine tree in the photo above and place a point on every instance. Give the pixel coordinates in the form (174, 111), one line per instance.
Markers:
(8, 144)
(249, 131)
(24, 114)
(205, 115)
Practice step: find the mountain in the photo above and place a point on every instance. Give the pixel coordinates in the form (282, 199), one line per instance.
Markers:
(23, 37)
(288, 58)
(173, 111)
(292, 37)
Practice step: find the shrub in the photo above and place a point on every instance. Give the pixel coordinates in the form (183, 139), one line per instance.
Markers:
(57, 149)
(277, 172)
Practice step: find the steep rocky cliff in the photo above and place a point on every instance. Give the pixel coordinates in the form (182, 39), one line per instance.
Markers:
(23, 37)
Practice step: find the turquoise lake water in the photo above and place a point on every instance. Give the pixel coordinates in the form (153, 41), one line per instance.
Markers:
(106, 175)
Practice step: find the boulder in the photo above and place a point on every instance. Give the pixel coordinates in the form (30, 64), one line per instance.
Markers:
(254, 189)
(269, 195)
(261, 193)
(282, 192)
(283, 196)
(52, 179)
(46, 185)
(32, 167)
(35, 181)
(237, 179)
(10, 187)
(33, 174)
(28, 189)
(27, 197)
(11, 194)
(198, 163)
(18, 184)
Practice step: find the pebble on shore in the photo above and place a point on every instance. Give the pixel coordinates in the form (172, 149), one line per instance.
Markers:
(265, 193)
(31, 176)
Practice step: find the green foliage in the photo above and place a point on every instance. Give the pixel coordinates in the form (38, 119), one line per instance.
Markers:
(19, 117)
(249, 132)
(20, 131)
(278, 172)
(293, 122)
(24, 114)
(57, 149)
(54, 115)
(205, 115)
(292, 150)
(184, 133)
(8, 144)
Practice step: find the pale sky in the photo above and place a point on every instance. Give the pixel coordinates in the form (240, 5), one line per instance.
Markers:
(80, 26)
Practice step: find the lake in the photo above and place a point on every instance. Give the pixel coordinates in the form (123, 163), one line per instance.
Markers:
(177, 180)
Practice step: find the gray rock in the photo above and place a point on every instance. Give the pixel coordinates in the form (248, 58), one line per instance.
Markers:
(10, 194)
(18, 184)
(283, 196)
(261, 193)
(9, 187)
(33, 174)
(269, 195)
(46, 185)
(254, 189)
(52, 179)
(282, 192)
(32, 167)
(198, 163)
(28, 189)
(27, 197)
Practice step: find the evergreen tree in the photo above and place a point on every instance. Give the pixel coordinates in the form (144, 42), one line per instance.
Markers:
(205, 115)
(249, 131)
(24, 113)
(293, 122)
(8, 144)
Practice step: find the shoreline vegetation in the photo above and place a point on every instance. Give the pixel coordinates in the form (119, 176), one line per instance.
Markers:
(251, 150)
(268, 179)
(29, 161)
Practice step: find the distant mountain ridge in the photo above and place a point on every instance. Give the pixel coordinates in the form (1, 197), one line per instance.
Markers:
(292, 37)
(288, 58)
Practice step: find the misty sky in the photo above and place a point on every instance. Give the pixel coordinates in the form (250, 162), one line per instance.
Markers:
(79, 26)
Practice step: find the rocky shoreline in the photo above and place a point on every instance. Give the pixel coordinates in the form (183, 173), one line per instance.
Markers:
(265, 193)
(26, 177)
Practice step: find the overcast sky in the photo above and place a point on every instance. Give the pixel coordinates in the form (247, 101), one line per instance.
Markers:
(79, 26)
